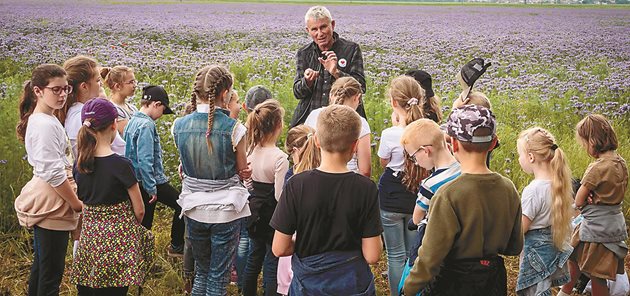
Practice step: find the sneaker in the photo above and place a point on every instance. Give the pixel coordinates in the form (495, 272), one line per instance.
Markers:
(175, 252)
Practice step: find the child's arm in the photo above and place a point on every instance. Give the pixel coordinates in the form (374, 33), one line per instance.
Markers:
(384, 162)
(364, 156)
(67, 193)
(418, 214)
(145, 158)
(581, 195)
(525, 223)
(242, 167)
(282, 244)
(372, 248)
(515, 244)
(280, 171)
(136, 202)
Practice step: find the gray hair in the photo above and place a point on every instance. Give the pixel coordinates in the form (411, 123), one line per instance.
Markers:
(318, 12)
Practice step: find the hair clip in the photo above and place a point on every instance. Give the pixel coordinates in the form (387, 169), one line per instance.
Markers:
(554, 147)
(87, 123)
(412, 101)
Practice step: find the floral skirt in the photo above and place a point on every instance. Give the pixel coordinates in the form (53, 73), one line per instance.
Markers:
(114, 249)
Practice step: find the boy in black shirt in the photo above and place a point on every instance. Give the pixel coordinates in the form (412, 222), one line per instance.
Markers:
(335, 214)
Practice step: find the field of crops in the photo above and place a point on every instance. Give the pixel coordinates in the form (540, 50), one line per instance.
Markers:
(550, 66)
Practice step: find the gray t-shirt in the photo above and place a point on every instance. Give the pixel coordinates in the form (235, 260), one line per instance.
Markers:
(536, 203)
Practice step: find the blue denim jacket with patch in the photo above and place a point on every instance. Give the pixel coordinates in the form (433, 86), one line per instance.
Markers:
(190, 138)
(144, 150)
(540, 259)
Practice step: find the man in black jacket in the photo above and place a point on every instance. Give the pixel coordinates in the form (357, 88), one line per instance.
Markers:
(321, 62)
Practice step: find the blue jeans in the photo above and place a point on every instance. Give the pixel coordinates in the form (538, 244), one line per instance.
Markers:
(398, 241)
(242, 253)
(213, 246)
(47, 270)
(260, 257)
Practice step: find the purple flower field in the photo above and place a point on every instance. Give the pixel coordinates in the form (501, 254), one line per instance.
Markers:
(550, 66)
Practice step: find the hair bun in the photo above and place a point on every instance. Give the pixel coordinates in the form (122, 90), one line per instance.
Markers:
(104, 72)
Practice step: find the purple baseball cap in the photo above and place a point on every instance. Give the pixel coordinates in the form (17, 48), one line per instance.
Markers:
(97, 112)
(463, 122)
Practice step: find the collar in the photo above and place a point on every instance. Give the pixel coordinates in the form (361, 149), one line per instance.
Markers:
(205, 108)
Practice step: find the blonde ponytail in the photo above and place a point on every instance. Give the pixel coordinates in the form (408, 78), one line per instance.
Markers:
(542, 144)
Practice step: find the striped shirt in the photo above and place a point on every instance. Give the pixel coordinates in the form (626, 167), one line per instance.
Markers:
(433, 182)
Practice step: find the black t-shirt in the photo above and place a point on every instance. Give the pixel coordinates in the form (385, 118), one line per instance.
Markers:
(109, 182)
(329, 212)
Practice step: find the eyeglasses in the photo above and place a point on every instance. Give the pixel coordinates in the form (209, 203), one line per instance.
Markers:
(57, 89)
(412, 156)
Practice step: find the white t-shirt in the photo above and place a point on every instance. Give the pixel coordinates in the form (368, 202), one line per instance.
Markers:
(46, 146)
(73, 125)
(311, 121)
(536, 203)
(390, 148)
(118, 145)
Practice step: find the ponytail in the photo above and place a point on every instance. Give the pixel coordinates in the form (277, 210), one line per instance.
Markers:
(26, 106)
(409, 95)
(542, 144)
(302, 138)
(80, 69)
(432, 109)
(39, 78)
(262, 122)
(86, 143)
(414, 174)
(562, 198)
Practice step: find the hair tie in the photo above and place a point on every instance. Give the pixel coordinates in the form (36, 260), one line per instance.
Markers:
(554, 147)
(309, 135)
(412, 101)
(87, 123)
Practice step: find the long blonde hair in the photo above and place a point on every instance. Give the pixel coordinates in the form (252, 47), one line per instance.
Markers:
(302, 138)
(210, 81)
(543, 146)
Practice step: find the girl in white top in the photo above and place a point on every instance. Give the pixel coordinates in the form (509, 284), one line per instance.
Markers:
(86, 82)
(122, 83)
(47, 202)
(347, 91)
(269, 167)
(547, 213)
(396, 200)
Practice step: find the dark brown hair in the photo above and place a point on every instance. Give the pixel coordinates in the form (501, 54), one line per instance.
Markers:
(86, 143)
(40, 77)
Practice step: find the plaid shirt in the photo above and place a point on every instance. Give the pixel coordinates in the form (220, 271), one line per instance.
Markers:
(348, 54)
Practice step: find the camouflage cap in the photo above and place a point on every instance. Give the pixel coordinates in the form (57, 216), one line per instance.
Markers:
(463, 122)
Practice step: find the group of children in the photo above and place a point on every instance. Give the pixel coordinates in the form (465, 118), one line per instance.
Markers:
(314, 227)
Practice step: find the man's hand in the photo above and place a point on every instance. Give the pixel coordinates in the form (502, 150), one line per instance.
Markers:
(330, 63)
(310, 75)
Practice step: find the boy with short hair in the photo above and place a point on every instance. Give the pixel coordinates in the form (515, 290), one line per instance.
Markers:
(145, 152)
(335, 214)
(475, 218)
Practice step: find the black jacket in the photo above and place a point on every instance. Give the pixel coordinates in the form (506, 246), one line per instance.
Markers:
(350, 63)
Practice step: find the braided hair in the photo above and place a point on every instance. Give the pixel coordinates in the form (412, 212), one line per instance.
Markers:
(210, 82)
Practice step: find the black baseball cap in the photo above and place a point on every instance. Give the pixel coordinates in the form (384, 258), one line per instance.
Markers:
(157, 93)
(472, 71)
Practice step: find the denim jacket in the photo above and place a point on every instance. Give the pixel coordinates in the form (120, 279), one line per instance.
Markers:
(143, 149)
(332, 273)
(190, 138)
(540, 259)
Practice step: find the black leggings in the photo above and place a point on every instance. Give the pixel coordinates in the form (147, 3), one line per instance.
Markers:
(49, 261)
(168, 196)
(109, 291)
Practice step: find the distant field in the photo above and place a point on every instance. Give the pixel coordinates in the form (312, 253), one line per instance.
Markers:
(550, 67)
